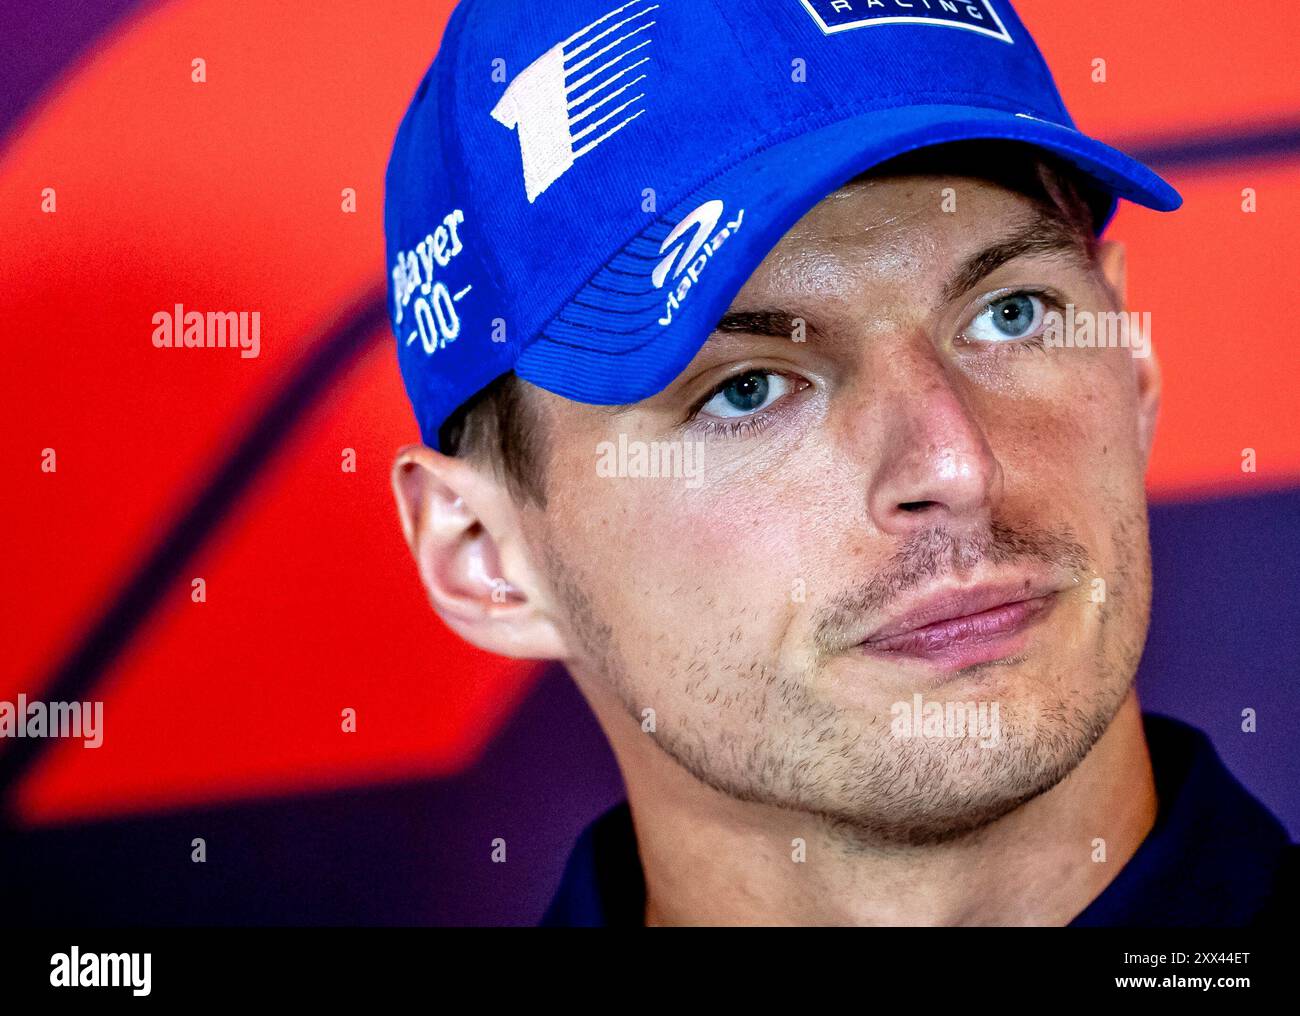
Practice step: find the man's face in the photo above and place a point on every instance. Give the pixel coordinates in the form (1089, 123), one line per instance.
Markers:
(914, 441)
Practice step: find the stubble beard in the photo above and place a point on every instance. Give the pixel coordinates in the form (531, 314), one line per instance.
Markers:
(870, 789)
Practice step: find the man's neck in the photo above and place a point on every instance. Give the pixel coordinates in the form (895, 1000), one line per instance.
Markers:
(709, 859)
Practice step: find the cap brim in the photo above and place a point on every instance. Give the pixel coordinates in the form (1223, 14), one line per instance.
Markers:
(608, 347)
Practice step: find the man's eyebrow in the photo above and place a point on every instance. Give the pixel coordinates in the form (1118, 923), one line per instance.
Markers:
(777, 323)
(1043, 234)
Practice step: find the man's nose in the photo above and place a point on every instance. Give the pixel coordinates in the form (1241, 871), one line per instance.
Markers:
(935, 464)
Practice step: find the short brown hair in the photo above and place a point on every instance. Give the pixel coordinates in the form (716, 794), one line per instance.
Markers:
(1059, 186)
(501, 427)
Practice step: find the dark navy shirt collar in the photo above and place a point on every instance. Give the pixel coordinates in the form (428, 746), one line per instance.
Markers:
(1215, 857)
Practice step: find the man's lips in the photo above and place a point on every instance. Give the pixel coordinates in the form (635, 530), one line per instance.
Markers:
(957, 628)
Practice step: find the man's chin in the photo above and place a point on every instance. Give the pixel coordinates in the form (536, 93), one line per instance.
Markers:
(942, 770)
(957, 793)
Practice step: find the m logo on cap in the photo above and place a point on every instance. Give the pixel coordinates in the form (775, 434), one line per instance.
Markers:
(842, 15)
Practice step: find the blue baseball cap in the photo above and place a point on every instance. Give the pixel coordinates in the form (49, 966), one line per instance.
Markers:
(580, 188)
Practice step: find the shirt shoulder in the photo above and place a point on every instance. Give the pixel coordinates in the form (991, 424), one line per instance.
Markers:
(1280, 908)
(603, 884)
(1216, 857)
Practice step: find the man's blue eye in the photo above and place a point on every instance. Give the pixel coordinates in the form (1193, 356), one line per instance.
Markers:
(745, 394)
(1014, 315)
(1011, 317)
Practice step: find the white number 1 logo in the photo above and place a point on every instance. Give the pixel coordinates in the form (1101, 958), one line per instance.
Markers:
(552, 126)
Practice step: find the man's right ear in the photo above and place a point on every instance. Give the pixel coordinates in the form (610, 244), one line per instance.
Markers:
(463, 529)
